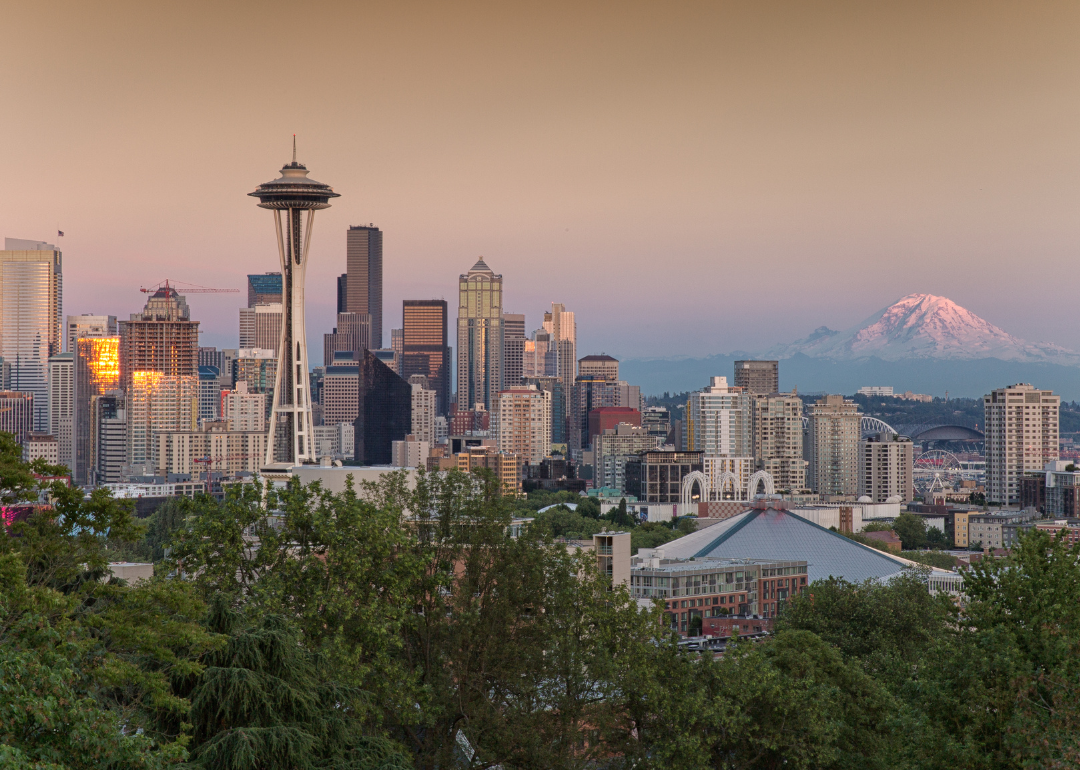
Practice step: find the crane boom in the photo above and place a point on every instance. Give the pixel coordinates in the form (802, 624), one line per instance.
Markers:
(186, 288)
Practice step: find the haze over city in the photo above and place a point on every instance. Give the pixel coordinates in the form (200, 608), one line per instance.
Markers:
(712, 178)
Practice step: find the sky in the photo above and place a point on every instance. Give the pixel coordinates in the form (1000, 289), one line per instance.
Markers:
(689, 178)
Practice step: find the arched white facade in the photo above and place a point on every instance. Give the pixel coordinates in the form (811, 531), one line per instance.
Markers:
(720, 485)
(751, 486)
(685, 498)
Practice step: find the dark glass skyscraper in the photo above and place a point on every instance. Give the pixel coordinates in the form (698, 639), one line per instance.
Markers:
(384, 412)
(363, 265)
(424, 348)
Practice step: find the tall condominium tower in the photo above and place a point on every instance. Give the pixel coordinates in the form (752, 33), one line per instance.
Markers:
(522, 423)
(162, 338)
(513, 349)
(560, 325)
(603, 367)
(885, 467)
(31, 296)
(831, 446)
(777, 431)
(97, 371)
(88, 325)
(424, 347)
(480, 337)
(1021, 436)
(289, 197)
(363, 254)
(718, 420)
(62, 407)
(758, 377)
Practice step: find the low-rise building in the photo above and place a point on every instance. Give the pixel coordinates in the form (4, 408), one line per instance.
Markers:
(410, 452)
(987, 528)
(41, 446)
(1071, 527)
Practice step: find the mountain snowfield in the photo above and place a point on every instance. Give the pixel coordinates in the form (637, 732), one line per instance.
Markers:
(928, 327)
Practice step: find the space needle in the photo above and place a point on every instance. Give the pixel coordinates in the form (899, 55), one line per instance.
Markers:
(289, 196)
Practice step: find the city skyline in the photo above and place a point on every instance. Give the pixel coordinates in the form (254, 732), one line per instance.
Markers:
(905, 148)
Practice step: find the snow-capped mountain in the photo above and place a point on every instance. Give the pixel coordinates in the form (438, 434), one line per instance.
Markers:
(924, 326)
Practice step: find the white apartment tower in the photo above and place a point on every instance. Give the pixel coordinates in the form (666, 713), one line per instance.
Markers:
(885, 467)
(423, 413)
(1021, 425)
(522, 423)
(718, 420)
(245, 411)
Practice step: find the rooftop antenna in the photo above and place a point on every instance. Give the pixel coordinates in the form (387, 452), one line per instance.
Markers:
(294, 148)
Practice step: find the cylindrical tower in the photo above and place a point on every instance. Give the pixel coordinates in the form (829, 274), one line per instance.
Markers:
(290, 440)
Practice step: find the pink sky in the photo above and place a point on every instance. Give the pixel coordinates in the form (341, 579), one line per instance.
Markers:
(688, 178)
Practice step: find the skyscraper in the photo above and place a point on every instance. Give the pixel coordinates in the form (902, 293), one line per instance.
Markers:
(349, 336)
(384, 412)
(260, 326)
(110, 450)
(162, 338)
(158, 403)
(601, 367)
(560, 325)
(513, 349)
(288, 197)
(62, 406)
(364, 257)
(480, 337)
(88, 325)
(264, 289)
(31, 296)
(97, 371)
(1021, 437)
(424, 348)
(758, 377)
(832, 446)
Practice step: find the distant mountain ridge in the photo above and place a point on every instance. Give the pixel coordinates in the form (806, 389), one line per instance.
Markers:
(924, 326)
(921, 342)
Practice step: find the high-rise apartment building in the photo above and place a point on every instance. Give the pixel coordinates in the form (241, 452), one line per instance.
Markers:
(157, 403)
(480, 337)
(424, 409)
(601, 367)
(62, 406)
(384, 413)
(758, 377)
(538, 359)
(560, 325)
(257, 369)
(522, 423)
(1021, 426)
(260, 326)
(364, 266)
(718, 420)
(244, 411)
(264, 289)
(831, 447)
(777, 433)
(885, 467)
(213, 447)
(425, 347)
(513, 349)
(97, 372)
(88, 325)
(162, 338)
(212, 383)
(31, 297)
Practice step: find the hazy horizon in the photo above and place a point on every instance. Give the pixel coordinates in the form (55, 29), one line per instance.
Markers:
(692, 180)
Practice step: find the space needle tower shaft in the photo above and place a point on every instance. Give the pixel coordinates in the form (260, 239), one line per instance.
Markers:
(293, 199)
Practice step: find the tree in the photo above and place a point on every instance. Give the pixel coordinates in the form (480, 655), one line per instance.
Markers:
(264, 702)
(911, 530)
(936, 538)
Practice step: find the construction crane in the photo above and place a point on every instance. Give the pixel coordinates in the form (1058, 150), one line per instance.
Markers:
(186, 288)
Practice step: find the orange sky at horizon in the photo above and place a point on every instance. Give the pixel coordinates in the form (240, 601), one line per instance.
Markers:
(689, 178)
